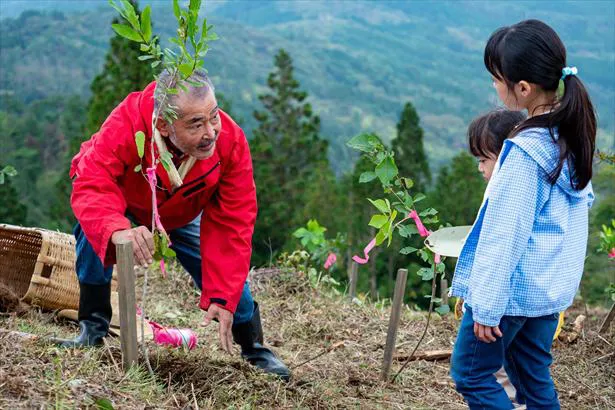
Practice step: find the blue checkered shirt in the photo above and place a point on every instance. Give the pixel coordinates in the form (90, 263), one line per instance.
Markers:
(525, 252)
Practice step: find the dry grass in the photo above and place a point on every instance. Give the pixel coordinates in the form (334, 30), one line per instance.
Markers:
(300, 322)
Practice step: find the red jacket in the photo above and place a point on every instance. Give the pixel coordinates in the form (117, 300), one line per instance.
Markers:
(106, 187)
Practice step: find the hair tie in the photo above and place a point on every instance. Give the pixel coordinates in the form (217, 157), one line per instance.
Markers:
(561, 87)
(566, 71)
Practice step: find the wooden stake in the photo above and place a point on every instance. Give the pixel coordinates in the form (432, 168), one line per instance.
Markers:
(354, 277)
(128, 314)
(444, 290)
(398, 301)
(607, 320)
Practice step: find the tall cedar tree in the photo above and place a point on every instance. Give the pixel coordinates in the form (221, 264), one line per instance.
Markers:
(409, 150)
(287, 151)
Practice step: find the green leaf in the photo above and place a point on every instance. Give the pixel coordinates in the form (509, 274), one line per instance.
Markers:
(9, 171)
(145, 57)
(390, 227)
(203, 31)
(166, 159)
(365, 143)
(185, 69)
(440, 267)
(386, 170)
(381, 205)
(103, 404)
(428, 211)
(130, 14)
(140, 140)
(300, 233)
(425, 273)
(378, 221)
(407, 250)
(117, 8)
(424, 254)
(381, 236)
(400, 207)
(419, 197)
(406, 231)
(367, 176)
(443, 309)
(146, 23)
(127, 32)
(138, 168)
(157, 251)
(407, 182)
(169, 253)
(176, 9)
(155, 63)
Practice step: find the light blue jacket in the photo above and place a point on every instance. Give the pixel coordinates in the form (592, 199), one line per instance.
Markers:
(525, 253)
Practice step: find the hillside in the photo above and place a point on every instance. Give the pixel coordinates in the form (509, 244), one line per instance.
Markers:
(301, 321)
(359, 63)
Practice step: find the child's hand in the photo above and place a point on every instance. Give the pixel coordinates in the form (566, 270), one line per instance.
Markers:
(486, 333)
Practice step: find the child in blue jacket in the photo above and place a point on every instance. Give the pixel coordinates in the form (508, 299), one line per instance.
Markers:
(522, 262)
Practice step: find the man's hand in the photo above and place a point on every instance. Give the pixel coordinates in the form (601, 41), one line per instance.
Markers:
(142, 243)
(486, 334)
(225, 320)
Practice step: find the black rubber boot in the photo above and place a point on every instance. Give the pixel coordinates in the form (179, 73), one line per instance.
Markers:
(94, 315)
(250, 337)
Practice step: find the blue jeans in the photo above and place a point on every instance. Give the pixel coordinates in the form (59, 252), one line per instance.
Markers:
(525, 352)
(186, 244)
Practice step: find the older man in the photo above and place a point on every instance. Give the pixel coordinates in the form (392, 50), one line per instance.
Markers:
(208, 208)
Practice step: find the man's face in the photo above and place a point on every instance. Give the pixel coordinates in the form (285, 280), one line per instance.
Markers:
(196, 130)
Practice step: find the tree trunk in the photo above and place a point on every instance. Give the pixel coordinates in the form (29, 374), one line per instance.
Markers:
(391, 268)
(373, 278)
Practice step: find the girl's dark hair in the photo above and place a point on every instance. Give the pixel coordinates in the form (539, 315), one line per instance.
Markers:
(486, 134)
(532, 51)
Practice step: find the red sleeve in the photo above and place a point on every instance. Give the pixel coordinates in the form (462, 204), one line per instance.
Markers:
(97, 200)
(226, 231)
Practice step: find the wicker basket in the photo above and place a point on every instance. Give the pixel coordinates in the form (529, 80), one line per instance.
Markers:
(39, 266)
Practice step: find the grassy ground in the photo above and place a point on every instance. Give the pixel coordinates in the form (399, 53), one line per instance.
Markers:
(300, 322)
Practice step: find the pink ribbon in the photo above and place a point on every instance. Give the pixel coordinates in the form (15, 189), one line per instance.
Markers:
(368, 248)
(612, 254)
(419, 224)
(162, 268)
(331, 259)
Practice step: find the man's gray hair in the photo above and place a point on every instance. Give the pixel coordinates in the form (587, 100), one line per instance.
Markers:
(169, 81)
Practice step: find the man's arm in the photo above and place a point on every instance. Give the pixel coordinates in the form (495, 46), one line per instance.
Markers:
(97, 200)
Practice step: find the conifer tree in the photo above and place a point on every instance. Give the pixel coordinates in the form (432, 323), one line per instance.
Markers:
(409, 150)
(287, 153)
